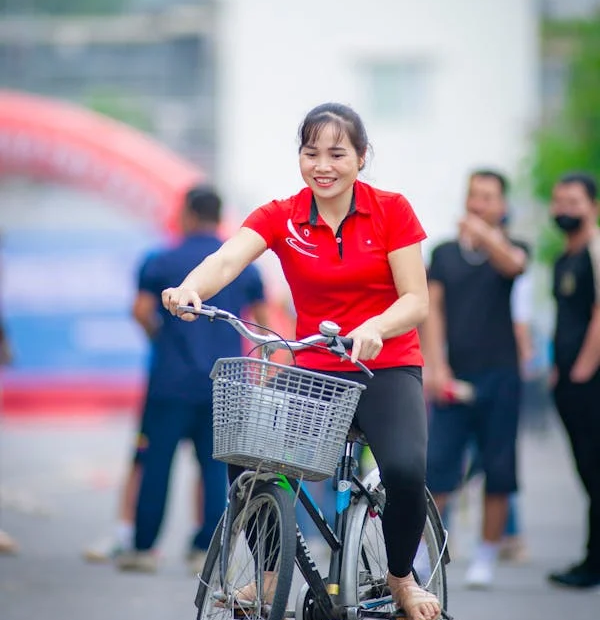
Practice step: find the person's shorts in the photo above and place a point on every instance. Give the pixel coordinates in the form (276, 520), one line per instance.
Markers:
(490, 422)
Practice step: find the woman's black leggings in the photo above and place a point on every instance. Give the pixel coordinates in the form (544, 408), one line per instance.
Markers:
(392, 415)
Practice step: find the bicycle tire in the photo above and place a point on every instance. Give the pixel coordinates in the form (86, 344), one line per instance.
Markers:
(364, 560)
(249, 519)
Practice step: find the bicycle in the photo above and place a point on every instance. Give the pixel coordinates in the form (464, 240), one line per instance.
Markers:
(285, 425)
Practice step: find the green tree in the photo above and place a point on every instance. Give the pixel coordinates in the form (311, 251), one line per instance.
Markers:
(569, 139)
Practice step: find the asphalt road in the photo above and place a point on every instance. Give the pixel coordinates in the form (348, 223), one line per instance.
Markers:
(59, 483)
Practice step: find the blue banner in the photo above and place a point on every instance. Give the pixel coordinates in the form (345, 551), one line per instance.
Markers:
(66, 300)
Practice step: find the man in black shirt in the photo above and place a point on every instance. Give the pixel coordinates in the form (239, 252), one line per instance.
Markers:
(469, 336)
(577, 352)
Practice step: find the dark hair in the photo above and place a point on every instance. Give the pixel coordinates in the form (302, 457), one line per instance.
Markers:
(584, 179)
(492, 174)
(345, 120)
(203, 202)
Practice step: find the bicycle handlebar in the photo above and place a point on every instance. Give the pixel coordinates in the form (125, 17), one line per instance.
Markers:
(329, 335)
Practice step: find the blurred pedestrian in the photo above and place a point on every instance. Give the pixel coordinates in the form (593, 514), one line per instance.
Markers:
(8, 545)
(179, 392)
(121, 539)
(576, 374)
(469, 337)
(5, 350)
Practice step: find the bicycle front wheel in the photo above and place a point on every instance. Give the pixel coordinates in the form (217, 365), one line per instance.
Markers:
(364, 564)
(259, 541)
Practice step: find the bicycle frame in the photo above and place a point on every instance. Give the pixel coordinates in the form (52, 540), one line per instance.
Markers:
(326, 595)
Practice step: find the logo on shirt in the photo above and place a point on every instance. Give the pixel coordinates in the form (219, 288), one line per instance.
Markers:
(298, 243)
(568, 284)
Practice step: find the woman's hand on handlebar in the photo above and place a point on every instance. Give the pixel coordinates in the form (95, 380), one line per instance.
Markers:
(367, 341)
(180, 296)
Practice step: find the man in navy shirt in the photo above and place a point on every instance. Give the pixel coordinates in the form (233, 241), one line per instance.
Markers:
(179, 392)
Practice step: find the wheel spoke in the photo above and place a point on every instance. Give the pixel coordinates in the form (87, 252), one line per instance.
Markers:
(365, 566)
(259, 566)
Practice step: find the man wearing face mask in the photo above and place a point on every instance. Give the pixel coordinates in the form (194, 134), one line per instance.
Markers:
(576, 373)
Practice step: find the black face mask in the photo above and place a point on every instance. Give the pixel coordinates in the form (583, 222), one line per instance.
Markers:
(568, 223)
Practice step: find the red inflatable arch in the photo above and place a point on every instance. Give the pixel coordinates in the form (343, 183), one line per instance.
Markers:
(44, 138)
(49, 139)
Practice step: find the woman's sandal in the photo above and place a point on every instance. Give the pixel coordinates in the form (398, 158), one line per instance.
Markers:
(248, 594)
(417, 603)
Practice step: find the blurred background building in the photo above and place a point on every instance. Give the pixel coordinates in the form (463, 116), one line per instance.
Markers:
(221, 86)
(442, 87)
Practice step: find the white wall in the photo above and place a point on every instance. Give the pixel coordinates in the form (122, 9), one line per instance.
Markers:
(278, 58)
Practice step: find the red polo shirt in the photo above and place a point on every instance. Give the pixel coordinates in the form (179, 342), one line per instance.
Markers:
(343, 277)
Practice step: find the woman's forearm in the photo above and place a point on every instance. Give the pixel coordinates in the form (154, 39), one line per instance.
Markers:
(408, 312)
(217, 270)
(210, 276)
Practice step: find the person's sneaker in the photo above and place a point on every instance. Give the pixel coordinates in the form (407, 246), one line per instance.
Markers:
(514, 550)
(8, 545)
(137, 561)
(102, 551)
(195, 559)
(578, 576)
(480, 575)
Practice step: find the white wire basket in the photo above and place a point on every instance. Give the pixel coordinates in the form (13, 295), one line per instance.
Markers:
(280, 418)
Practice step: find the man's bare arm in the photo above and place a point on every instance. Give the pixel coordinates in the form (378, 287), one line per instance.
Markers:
(144, 311)
(509, 259)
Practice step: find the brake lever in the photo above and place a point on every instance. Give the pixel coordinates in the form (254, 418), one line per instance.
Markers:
(338, 348)
(362, 367)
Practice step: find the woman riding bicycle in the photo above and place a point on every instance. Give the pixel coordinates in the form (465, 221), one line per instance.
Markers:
(351, 254)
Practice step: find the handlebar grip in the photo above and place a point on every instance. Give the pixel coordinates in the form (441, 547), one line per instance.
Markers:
(347, 343)
(204, 309)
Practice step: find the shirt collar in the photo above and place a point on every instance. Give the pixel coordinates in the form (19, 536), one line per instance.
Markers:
(306, 211)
